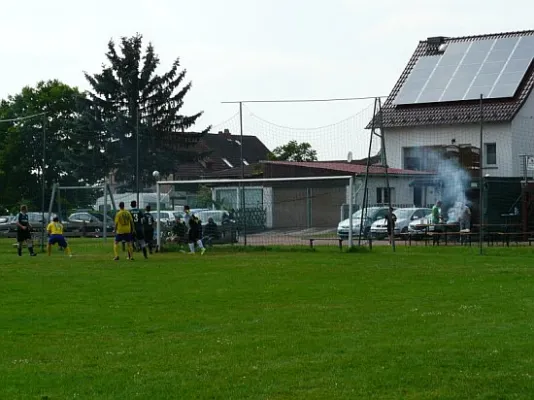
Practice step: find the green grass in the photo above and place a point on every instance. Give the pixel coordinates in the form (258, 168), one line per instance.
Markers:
(423, 323)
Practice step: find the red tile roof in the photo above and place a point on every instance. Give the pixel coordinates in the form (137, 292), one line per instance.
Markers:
(345, 167)
(458, 112)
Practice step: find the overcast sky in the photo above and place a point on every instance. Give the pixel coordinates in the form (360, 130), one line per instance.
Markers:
(252, 50)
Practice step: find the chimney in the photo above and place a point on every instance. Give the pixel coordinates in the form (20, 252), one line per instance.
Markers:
(226, 134)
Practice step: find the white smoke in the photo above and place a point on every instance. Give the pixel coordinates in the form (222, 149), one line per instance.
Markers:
(455, 182)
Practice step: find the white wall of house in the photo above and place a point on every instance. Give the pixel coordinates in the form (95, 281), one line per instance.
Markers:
(523, 135)
(396, 139)
(402, 192)
(255, 196)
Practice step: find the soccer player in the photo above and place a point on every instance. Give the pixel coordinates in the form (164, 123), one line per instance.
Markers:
(138, 221)
(148, 225)
(24, 231)
(123, 231)
(55, 235)
(195, 231)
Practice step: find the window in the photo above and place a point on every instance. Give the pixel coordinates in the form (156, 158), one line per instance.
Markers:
(382, 195)
(417, 196)
(490, 150)
(227, 163)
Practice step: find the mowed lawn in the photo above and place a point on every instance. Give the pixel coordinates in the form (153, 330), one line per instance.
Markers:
(423, 323)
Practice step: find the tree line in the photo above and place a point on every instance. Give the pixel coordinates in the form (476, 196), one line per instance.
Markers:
(77, 138)
(129, 120)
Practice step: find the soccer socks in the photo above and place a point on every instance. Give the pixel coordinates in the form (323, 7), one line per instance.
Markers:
(116, 249)
(145, 252)
(67, 250)
(19, 249)
(130, 251)
(199, 243)
(192, 247)
(30, 249)
(49, 249)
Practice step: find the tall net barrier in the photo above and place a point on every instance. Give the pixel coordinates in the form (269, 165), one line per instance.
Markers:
(331, 141)
(268, 212)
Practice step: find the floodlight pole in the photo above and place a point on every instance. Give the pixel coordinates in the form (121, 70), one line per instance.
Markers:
(385, 164)
(105, 209)
(367, 166)
(137, 152)
(158, 222)
(243, 206)
(351, 183)
(481, 178)
(43, 184)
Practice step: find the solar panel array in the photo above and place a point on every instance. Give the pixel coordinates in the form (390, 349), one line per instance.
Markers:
(492, 67)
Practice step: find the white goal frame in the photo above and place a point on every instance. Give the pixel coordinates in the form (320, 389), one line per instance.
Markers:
(107, 192)
(348, 178)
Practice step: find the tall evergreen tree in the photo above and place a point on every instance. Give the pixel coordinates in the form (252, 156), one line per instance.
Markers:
(131, 107)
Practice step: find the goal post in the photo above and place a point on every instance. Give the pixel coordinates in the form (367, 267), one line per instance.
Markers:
(270, 211)
(55, 198)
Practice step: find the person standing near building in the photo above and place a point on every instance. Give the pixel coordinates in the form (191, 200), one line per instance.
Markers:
(24, 234)
(391, 219)
(437, 219)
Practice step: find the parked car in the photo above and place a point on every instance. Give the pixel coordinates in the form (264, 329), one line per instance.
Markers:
(421, 226)
(5, 222)
(226, 227)
(166, 217)
(404, 217)
(370, 215)
(35, 219)
(88, 221)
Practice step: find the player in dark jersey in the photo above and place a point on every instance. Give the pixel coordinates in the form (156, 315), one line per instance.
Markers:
(24, 231)
(148, 225)
(138, 217)
(195, 231)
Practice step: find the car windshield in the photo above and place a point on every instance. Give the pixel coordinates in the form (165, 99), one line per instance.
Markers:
(404, 214)
(370, 212)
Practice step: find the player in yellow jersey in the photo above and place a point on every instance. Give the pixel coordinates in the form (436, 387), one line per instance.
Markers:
(123, 231)
(55, 235)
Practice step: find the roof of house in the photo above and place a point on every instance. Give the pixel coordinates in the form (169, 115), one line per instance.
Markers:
(235, 173)
(222, 151)
(349, 168)
(454, 112)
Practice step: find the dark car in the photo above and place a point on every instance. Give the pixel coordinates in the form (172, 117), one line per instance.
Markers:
(88, 222)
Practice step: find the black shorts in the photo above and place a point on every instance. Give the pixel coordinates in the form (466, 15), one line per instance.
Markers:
(149, 234)
(139, 235)
(23, 235)
(194, 235)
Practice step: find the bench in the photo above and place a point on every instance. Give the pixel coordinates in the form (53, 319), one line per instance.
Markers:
(313, 239)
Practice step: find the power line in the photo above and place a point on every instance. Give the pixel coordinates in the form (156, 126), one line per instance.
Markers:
(305, 100)
(23, 118)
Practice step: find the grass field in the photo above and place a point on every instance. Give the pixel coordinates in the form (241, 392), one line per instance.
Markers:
(423, 323)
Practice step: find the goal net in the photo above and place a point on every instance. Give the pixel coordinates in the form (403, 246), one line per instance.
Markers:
(267, 211)
(85, 211)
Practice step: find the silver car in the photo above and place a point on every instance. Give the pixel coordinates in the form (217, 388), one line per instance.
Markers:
(405, 216)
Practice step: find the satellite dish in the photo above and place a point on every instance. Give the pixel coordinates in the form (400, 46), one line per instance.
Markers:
(349, 156)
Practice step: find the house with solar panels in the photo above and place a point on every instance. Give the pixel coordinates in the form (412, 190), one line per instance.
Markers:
(451, 90)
